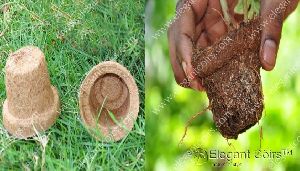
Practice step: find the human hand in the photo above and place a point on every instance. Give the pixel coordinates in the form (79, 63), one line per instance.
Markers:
(202, 24)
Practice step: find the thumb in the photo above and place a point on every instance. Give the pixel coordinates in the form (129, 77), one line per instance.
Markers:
(271, 32)
(273, 13)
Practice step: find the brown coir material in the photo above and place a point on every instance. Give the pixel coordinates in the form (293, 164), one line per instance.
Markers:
(32, 104)
(109, 101)
(230, 71)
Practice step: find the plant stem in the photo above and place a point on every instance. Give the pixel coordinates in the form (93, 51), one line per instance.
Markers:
(245, 5)
(224, 6)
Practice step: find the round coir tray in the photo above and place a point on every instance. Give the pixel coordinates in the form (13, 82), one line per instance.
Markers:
(109, 101)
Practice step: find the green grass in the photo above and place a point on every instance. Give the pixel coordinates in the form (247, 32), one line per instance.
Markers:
(74, 36)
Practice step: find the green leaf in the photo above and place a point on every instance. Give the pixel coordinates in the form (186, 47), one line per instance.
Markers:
(254, 9)
(239, 7)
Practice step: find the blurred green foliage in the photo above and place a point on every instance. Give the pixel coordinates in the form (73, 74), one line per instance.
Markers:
(169, 106)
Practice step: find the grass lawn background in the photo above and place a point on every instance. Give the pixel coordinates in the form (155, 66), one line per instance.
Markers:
(74, 36)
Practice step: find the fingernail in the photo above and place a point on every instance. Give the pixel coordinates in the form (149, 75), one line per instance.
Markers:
(183, 64)
(269, 53)
(200, 88)
(194, 85)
